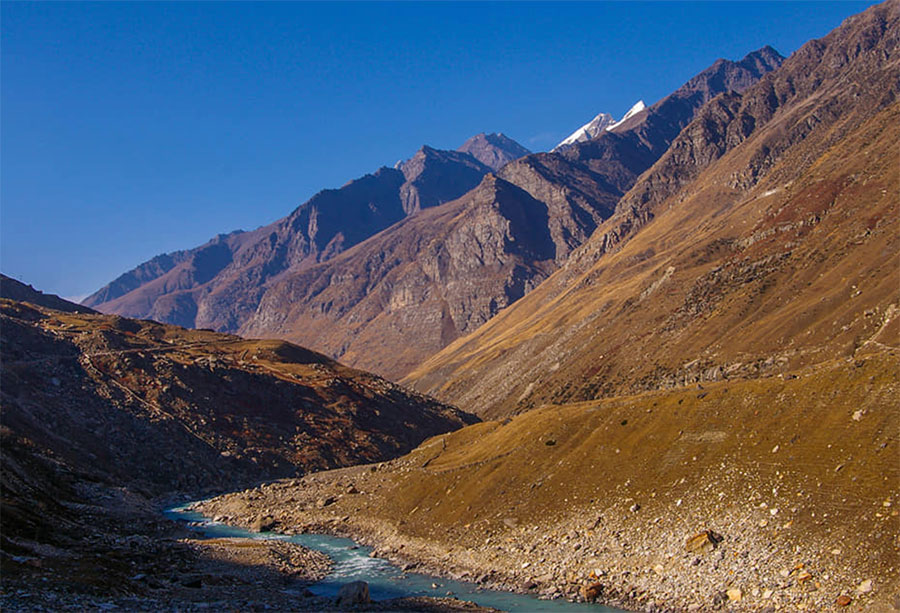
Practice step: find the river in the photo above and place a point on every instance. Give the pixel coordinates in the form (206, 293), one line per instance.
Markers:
(352, 563)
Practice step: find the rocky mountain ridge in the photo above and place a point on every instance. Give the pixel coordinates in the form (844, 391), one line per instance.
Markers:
(603, 122)
(219, 284)
(493, 150)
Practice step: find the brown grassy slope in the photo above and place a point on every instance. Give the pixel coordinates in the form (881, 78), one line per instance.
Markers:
(722, 281)
(789, 470)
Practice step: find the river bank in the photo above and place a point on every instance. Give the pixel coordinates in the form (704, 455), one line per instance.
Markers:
(742, 496)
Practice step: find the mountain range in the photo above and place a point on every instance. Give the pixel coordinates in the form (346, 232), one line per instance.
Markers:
(431, 276)
(698, 409)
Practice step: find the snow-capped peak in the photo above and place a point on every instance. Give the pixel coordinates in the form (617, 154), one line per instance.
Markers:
(637, 108)
(589, 130)
(601, 123)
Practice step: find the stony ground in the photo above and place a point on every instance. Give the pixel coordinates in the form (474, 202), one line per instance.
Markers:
(561, 557)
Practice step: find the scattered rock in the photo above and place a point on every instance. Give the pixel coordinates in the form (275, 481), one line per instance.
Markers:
(734, 594)
(634, 508)
(353, 593)
(719, 600)
(843, 600)
(191, 582)
(865, 587)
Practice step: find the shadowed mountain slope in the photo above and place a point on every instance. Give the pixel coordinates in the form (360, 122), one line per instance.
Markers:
(434, 177)
(170, 409)
(765, 238)
(103, 414)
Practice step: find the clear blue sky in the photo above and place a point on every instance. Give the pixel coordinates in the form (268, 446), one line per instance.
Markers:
(134, 129)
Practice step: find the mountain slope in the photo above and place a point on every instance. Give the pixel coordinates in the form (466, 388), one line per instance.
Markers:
(788, 475)
(434, 177)
(103, 415)
(764, 239)
(219, 284)
(403, 294)
(170, 409)
(16, 290)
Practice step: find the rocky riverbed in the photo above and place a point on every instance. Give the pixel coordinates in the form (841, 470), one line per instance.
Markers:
(161, 565)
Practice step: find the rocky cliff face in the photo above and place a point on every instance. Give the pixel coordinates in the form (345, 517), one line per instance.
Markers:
(493, 150)
(434, 177)
(765, 238)
(402, 295)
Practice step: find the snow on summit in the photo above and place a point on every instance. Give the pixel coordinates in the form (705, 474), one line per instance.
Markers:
(603, 122)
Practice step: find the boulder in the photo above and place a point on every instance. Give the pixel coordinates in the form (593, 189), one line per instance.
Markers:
(703, 542)
(326, 501)
(592, 591)
(353, 593)
(263, 524)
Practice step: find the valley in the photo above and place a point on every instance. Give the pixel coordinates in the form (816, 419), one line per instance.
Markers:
(653, 369)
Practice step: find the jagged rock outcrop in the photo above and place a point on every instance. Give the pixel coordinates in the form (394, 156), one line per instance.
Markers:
(434, 177)
(493, 150)
(765, 238)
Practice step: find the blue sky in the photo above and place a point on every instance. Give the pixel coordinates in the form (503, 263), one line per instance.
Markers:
(132, 129)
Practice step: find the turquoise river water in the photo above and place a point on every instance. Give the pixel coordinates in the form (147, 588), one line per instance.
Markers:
(352, 563)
